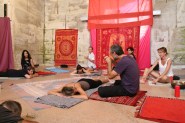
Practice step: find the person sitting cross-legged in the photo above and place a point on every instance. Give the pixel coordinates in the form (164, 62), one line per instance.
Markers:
(126, 68)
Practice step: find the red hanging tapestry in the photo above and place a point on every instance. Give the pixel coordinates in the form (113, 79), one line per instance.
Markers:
(125, 37)
(66, 46)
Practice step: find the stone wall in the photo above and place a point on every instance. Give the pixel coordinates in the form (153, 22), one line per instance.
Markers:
(34, 23)
(27, 22)
(169, 30)
(65, 14)
(1, 8)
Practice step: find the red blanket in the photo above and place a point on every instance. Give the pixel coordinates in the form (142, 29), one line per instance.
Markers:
(162, 109)
(66, 46)
(45, 73)
(125, 100)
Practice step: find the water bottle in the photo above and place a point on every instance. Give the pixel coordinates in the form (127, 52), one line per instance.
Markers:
(177, 91)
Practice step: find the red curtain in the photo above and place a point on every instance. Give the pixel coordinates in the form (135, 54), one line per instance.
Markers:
(114, 14)
(144, 47)
(6, 52)
(66, 46)
(125, 37)
(119, 13)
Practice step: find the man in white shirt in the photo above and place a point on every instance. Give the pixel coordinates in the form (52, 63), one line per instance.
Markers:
(91, 59)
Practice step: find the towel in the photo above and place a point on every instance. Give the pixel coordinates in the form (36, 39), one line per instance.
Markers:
(62, 102)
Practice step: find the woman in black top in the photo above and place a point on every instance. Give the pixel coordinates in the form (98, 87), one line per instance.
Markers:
(77, 89)
(28, 73)
(26, 60)
(81, 70)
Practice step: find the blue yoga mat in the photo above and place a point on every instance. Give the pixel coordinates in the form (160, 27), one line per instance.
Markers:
(57, 70)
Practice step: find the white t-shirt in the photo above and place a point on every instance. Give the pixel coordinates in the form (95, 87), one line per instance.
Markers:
(89, 63)
(163, 67)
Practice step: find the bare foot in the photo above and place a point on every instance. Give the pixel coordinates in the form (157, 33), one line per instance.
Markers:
(143, 80)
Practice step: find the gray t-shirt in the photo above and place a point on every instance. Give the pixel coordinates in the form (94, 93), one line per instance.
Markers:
(129, 74)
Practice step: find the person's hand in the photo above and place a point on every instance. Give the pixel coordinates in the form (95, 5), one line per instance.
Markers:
(156, 80)
(60, 95)
(35, 75)
(107, 59)
(86, 57)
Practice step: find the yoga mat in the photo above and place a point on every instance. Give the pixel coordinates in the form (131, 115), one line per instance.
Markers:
(32, 90)
(11, 78)
(57, 70)
(161, 109)
(125, 100)
(45, 73)
(62, 102)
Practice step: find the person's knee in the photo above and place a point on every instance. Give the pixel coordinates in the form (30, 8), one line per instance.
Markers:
(101, 91)
(147, 69)
(165, 79)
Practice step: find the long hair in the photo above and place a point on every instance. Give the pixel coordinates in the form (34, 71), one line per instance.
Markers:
(79, 67)
(23, 57)
(131, 49)
(67, 91)
(13, 106)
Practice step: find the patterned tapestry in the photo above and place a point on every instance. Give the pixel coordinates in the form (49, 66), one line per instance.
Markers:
(125, 37)
(66, 46)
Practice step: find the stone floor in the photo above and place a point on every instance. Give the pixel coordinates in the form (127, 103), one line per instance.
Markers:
(88, 111)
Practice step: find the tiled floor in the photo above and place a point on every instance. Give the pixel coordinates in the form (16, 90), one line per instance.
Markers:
(89, 111)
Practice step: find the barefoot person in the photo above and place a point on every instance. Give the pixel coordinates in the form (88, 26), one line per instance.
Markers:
(77, 89)
(90, 59)
(127, 69)
(165, 73)
(26, 60)
(81, 70)
(28, 74)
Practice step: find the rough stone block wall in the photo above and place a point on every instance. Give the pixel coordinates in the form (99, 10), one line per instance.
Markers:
(34, 22)
(27, 22)
(169, 30)
(65, 14)
(1, 8)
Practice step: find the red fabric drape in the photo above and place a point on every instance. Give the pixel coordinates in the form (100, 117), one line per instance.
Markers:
(125, 37)
(66, 46)
(144, 47)
(6, 52)
(119, 13)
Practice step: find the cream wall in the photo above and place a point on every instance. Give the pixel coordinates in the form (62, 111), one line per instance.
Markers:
(65, 14)
(169, 30)
(1, 8)
(27, 25)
